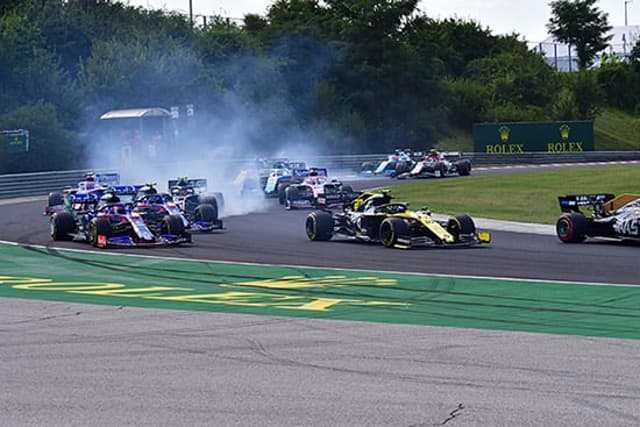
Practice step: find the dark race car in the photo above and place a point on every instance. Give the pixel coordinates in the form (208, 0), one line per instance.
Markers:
(611, 216)
(373, 217)
(439, 164)
(108, 222)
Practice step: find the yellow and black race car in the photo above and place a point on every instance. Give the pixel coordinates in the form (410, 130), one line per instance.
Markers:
(373, 217)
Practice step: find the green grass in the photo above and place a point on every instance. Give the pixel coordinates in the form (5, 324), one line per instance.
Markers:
(526, 197)
(616, 130)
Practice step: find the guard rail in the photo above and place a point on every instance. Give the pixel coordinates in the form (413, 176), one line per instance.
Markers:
(41, 183)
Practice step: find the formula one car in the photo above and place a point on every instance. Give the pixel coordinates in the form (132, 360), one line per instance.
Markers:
(399, 162)
(611, 216)
(439, 164)
(108, 222)
(280, 176)
(198, 213)
(372, 217)
(188, 194)
(92, 183)
(312, 188)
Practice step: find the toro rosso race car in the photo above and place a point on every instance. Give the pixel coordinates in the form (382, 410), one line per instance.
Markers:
(108, 221)
(312, 188)
(611, 216)
(372, 217)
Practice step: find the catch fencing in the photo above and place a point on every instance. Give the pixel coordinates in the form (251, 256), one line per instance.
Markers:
(41, 183)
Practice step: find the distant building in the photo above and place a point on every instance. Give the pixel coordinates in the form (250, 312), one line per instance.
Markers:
(561, 58)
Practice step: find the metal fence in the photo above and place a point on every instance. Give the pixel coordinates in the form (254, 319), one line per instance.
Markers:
(41, 183)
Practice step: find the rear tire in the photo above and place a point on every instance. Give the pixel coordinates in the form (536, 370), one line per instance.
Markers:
(571, 228)
(55, 199)
(210, 200)
(391, 229)
(62, 225)
(205, 212)
(319, 226)
(464, 168)
(460, 224)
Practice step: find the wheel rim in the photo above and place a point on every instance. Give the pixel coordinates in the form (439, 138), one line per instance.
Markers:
(386, 234)
(564, 229)
(311, 228)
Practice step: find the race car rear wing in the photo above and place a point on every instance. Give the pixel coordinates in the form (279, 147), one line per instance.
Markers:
(199, 184)
(108, 179)
(302, 173)
(572, 203)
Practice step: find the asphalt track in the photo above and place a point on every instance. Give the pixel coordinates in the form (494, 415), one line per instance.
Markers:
(70, 364)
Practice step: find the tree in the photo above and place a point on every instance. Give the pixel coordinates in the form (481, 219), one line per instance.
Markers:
(581, 24)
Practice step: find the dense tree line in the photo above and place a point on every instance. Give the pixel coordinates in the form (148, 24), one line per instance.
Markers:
(358, 76)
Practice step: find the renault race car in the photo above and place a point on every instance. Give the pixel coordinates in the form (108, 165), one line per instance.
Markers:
(108, 222)
(373, 217)
(312, 188)
(439, 164)
(611, 216)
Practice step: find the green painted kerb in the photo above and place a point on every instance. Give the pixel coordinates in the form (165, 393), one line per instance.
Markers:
(557, 308)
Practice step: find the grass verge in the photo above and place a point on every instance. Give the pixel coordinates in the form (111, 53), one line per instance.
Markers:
(526, 197)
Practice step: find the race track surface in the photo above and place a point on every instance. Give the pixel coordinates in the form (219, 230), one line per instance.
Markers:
(83, 364)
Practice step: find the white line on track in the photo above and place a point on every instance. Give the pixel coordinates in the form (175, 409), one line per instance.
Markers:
(452, 276)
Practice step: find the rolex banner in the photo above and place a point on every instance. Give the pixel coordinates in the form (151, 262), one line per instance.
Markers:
(521, 137)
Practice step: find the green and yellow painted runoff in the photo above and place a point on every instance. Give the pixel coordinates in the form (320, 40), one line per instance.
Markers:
(464, 302)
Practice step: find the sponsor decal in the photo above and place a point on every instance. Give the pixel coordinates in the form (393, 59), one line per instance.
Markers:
(629, 226)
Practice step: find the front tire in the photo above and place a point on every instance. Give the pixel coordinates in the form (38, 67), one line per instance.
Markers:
(319, 226)
(100, 228)
(205, 212)
(459, 225)
(291, 194)
(55, 199)
(571, 228)
(172, 224)
(391, 229)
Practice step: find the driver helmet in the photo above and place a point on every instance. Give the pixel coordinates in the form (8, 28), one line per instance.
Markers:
(109, 198)
(146, 190)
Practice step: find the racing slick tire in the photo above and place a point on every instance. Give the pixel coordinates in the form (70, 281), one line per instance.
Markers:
(62, 225)
(99, 226)
(282, 195)
(571, 227)
(205, 212)
(55, 199)
(391, 229)
(290, 194)
(464, 168)
(319, 226)
(442, 168)
(172, 224)
(212, 201)
(347, 189)
(460, 224)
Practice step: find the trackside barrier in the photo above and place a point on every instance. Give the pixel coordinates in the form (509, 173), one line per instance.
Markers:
(41, 183)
